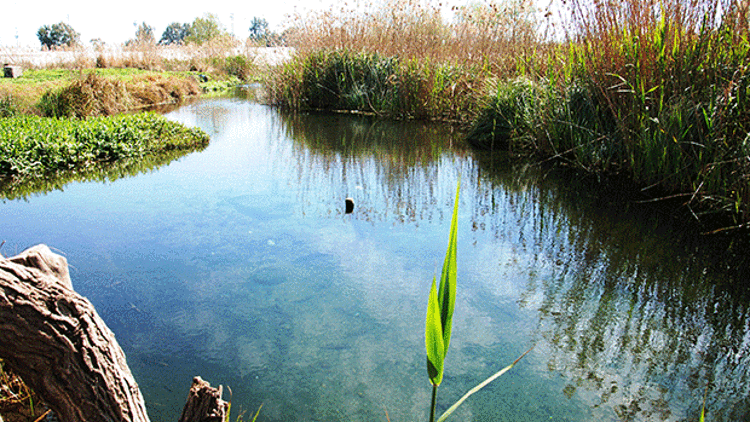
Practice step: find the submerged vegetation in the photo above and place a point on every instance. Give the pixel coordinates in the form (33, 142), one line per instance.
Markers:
(655, 91)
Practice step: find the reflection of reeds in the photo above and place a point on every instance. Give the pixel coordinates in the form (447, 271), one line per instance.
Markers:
(653, 90)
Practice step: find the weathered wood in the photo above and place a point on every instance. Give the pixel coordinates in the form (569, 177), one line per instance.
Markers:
(56, 342)
(204, 403)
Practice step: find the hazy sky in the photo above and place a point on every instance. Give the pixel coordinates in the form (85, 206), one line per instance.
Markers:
(112, 21)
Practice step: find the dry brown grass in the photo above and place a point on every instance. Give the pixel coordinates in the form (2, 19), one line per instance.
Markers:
(491, 33)
(95, 95)
(157, 89)
(18, 403)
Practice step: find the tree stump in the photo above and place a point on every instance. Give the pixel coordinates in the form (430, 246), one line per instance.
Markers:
(204, 403)
(56, 342)
(54, 339)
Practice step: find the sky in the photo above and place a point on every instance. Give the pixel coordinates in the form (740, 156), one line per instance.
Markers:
(113, 21)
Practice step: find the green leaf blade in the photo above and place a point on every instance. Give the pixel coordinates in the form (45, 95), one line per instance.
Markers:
(434, 338)
(447, 294)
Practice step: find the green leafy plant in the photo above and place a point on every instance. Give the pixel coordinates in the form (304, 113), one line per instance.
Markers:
(440, 306)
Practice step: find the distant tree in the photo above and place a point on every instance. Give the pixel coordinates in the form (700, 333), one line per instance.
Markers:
(205, 29)
(175, 33)
(57, 35)
(144, 34)
(258, 29)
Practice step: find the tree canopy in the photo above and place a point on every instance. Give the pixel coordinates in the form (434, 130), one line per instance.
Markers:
(258, 29)
(144, 34)
(58, 34)
(175, 33)
(205, 29)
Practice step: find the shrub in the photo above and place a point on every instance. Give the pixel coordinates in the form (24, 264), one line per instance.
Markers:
(89, 96)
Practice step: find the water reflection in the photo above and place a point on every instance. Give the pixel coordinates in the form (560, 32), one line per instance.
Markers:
(239, 264)
(639, 313)
(100, 172)
(393, 170)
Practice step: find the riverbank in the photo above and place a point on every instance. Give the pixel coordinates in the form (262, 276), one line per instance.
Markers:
(36, 150)
(58, 125)
(94, 92)
(657, 93)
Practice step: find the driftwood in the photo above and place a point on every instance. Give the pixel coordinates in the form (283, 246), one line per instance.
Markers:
(56, 342)
(204, 404)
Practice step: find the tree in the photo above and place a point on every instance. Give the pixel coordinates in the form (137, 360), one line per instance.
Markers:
(258, 29)
(57, 35)
(205, 29)
(144, 34)
(175, 33)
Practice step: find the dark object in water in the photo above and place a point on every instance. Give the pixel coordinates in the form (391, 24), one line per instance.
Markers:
(349, 205)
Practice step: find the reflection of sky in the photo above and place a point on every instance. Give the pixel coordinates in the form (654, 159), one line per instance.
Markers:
(237, 264)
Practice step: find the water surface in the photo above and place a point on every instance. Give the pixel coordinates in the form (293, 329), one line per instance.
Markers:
(238, 264)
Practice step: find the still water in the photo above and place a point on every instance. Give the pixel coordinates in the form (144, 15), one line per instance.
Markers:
(237, 263)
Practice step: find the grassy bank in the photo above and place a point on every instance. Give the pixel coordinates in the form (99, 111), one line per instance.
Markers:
(59, 125)
(654, 91)
(69, 93)
(373, 83)
(35, 148)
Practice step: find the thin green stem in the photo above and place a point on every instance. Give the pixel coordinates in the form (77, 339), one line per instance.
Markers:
(434, 403)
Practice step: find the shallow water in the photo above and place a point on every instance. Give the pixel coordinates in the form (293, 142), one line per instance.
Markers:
(238, 264)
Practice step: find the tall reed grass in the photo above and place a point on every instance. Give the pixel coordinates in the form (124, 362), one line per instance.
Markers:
(670, 79)
(656, 90)
(373, 83)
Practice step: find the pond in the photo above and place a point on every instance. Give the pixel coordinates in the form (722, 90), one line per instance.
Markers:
(238, 264)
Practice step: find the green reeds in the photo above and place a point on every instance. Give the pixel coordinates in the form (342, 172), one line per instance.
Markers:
(377, 84)
(439, 322)
(654, 90)
(672, 77)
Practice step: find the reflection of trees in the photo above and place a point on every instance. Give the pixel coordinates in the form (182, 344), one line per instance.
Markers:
(632, 307)
(638, 312)
(102, 172)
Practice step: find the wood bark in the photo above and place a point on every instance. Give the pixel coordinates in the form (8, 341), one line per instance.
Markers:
(56, 342)
(204, 404)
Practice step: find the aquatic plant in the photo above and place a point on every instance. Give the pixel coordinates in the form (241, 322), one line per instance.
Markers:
(32, 147)
(438, 324)
(374, 83)
(440, 306)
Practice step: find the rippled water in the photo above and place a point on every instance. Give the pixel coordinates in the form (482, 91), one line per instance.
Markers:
(238, 264)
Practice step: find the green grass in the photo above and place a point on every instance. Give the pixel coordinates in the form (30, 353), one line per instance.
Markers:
(33, 147)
